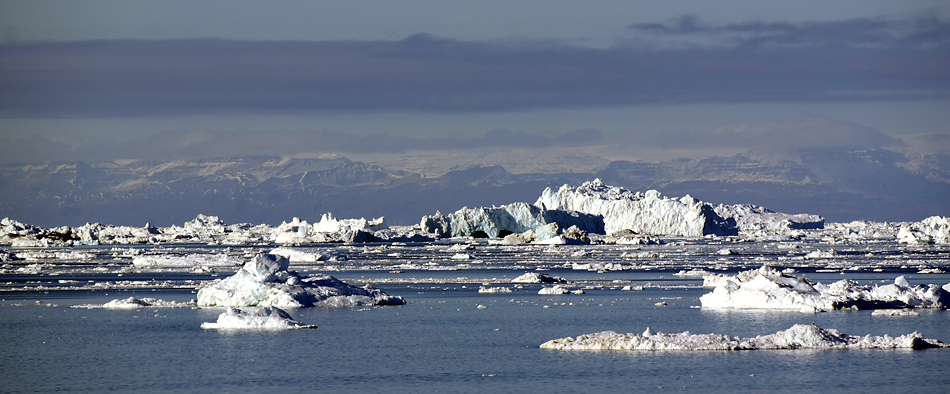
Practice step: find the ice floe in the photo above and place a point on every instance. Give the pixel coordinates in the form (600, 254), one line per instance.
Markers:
(799, 336)
(768, 288)
(266, 281)
(267, 318)
(554, 290)
(895, 312)
(193, 261)
(537, 277)
(137, 303)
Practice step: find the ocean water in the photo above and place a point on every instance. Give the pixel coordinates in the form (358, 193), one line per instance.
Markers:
(442, 342)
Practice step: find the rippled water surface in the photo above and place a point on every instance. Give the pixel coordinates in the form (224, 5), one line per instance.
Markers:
(441, 341)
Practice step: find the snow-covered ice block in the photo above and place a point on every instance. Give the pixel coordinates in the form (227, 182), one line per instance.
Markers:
(265, 281)
(768, 288)
(799, 336)
(266, 318)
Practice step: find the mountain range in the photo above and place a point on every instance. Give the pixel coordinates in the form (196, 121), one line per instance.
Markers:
(839, 184)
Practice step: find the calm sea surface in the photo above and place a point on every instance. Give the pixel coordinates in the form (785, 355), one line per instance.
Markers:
(442, 342)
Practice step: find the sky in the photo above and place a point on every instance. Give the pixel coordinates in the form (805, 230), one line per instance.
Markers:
(107, 80)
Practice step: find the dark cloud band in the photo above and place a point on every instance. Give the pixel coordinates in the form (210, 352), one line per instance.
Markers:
(431, 74)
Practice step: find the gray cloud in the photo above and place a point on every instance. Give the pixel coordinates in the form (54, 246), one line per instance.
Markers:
(922, 33)
(829, 61)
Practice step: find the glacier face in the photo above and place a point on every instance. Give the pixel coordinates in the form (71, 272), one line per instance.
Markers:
(648, 213)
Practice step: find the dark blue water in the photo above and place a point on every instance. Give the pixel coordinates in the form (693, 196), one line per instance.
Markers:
(441, 342)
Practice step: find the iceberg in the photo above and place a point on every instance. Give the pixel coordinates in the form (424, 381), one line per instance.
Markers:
(755, 218)
(265, 281)
(799, 336)
(266, 318)
(935, 229)
(647, 213)
(499, 221)
(768, 288)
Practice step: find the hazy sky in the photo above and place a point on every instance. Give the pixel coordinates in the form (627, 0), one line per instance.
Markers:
(111, 79)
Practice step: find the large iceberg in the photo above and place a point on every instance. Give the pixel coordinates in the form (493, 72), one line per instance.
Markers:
(768, 288)
(517, 217)
(265, 281)
(755, 218)
(935, 229)
(262, 319)
(647, 213)
(799, 336)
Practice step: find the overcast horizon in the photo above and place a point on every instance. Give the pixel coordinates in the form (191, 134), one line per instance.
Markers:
(106, 80)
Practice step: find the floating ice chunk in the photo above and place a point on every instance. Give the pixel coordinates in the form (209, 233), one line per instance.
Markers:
(822, 254)
(265, 281)
(799, 336)
(935, 229)
(136, 303)
(266, 318)
(192, 261)
(461, 256)
(767, 288)
(484, 289)
(648, 213)
(298, 256)
(694, 273)
(460, 248)
(537, 277)
(895, 312)
(554, 290)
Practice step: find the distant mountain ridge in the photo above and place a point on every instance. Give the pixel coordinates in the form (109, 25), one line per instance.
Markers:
(841, 185)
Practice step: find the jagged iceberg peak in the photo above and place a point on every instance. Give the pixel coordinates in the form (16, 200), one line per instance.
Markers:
(266, 281)
(648, 213)
(799, 336)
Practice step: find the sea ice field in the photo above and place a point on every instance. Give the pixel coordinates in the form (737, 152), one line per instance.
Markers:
(593, 289)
